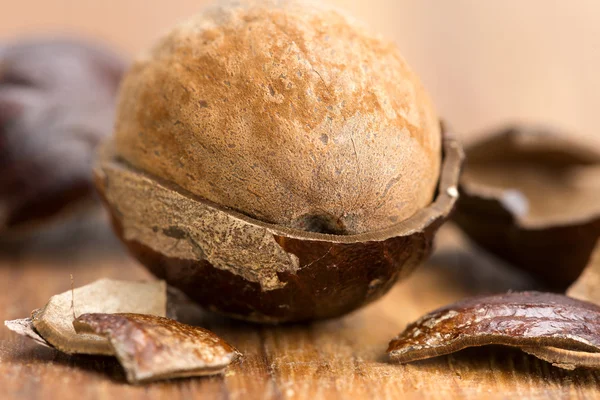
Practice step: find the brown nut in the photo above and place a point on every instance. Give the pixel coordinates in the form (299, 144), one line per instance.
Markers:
(530, 197)
(285, 111)
(56, 103)
(277, 163)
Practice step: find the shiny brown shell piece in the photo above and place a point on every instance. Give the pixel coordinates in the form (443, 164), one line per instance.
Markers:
(553, 327)
(54, 321)
(564, 358)
(289, 112)
(153, 348)
(248, 269)
(530, 197)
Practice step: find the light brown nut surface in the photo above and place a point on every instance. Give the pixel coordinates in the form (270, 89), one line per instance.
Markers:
(287, 111)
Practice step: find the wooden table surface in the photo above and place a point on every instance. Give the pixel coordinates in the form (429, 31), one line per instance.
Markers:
(343, 358)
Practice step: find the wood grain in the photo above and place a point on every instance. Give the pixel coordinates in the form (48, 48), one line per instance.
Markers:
(338, 359)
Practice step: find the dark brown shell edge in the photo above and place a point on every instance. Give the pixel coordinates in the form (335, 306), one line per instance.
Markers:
(555, 253)
(336, 275)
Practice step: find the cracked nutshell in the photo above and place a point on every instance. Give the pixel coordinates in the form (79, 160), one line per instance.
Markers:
(277, 162)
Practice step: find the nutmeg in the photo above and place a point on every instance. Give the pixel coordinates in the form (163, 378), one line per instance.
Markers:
(57, 101)
(287, 111)
(277, 162)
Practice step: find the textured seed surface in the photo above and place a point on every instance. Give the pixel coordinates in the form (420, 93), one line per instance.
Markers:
(526, 319)
(152, 348)
(287, 111)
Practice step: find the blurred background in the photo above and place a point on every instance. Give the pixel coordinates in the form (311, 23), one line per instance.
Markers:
(484, 62)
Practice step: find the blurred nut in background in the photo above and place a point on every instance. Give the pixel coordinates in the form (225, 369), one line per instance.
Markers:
(56, 103)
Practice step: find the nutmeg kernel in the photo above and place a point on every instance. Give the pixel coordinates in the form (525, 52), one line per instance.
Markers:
(289, 112)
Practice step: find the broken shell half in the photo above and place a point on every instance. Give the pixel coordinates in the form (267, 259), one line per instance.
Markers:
(530, 197)
(248, 269)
